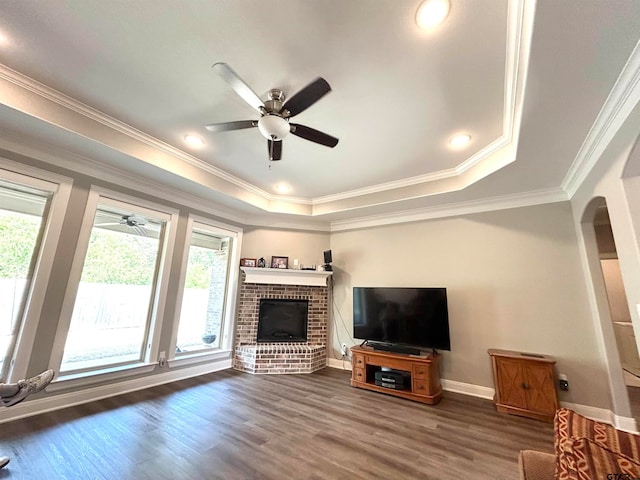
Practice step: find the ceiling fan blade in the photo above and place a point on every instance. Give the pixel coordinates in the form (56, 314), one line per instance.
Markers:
(274, 149)
(223, 127)
(240, 87)
(307, 96)
(313, 135)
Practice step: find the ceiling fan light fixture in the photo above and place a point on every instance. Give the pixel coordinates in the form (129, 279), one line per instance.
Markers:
(273, 127)
(432, 13)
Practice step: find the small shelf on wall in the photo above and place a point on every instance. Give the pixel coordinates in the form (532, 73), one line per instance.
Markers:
(285, 276)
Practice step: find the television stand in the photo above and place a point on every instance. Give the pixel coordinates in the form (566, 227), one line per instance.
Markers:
(424, 371)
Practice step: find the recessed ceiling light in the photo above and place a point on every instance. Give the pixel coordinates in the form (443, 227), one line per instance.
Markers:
(283, 188)
(432, 13)
(193, 140)
(4, 40)
(460, 140)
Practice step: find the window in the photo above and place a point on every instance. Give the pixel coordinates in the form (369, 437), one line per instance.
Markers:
(205, 293)
(115, 306)
(22, 212)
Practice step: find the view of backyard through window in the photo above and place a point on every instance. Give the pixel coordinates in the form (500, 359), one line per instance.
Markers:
(20, 222)
(110, 318)
(205, 287)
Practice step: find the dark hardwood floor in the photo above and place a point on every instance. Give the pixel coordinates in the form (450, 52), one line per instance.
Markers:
(232, 425)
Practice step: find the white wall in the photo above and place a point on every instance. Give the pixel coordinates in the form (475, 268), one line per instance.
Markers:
(514, 281)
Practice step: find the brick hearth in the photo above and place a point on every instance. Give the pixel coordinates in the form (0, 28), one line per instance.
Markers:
(295, 357)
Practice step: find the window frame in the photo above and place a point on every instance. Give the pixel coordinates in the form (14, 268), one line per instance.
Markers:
(103, 196)
(60, 188)
(227, 327)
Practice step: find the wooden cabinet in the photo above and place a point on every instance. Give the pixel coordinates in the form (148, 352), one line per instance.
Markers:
(525, 384)
(424, 371)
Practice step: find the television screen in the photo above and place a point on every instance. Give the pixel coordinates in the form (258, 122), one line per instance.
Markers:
(407, 316)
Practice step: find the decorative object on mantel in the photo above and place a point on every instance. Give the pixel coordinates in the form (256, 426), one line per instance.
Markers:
(262, 262)
(278, 262)
(327, 261)
(248, 262)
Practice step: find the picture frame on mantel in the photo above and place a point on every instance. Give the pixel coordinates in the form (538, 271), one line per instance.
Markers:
(279, 262)
(248, 262)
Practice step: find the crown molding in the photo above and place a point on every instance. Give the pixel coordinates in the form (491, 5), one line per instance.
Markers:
(66, 112)
(518, 45)
(624, 96)
(536, 197)
(74, 105)
(108, 173)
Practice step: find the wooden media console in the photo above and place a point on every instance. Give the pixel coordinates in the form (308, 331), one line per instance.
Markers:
(424, 370)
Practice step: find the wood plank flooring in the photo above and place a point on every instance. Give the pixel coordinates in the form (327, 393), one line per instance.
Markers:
(232, 425)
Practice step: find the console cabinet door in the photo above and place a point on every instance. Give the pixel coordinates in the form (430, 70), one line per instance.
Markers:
(541, 394)
(511, 383)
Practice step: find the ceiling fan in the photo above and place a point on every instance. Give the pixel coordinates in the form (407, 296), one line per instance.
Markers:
(275, 113)
(135, 222)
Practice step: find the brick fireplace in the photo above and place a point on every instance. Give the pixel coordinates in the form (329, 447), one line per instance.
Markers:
(296, 357)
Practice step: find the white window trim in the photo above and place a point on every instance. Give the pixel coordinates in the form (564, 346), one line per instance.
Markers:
(227, 327)
(98, 195)
(60, 187)
(65, 382)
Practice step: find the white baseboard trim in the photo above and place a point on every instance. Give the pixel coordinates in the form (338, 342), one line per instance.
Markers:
(467, 389)
(64, 400)
(339, 364)
(627, 424)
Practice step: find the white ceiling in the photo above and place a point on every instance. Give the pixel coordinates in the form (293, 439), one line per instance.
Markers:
(122, 82)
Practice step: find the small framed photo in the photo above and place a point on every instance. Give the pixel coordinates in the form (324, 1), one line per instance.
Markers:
(248, 262)
(279, 262)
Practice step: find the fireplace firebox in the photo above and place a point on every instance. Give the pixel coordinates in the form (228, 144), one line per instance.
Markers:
(282, 320)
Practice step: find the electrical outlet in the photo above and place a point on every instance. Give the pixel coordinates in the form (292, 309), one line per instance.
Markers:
(162, 359)
(343, 349)
(563, 382)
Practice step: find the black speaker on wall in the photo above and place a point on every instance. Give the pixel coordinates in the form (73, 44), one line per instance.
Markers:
(327, 261)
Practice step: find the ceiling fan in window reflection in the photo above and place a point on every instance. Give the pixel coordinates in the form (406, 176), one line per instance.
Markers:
(135, 222)
(275, 113)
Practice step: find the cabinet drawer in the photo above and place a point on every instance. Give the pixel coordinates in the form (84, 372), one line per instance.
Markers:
(358, 375)
(358, 361)
(395, 363)
(420, 371)
(420, 387)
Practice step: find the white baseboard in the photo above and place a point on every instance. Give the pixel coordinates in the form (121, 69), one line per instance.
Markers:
(627, 424)
(467, 389)
(339, 364)
(64, 400)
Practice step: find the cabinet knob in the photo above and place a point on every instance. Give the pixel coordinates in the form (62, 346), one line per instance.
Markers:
(525, 386)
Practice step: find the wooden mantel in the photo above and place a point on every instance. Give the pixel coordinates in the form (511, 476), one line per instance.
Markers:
(285, 276)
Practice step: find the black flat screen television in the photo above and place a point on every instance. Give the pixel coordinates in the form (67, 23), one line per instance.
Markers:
(416, 317)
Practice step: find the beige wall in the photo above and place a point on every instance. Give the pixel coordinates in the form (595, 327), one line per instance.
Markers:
(514, 281)
(307, 247)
